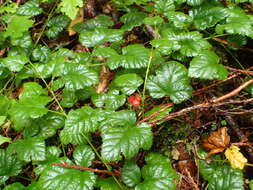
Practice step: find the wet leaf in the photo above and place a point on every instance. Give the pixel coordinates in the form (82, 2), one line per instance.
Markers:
(235, 157)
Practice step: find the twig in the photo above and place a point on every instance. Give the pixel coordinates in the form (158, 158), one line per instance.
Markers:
(212, 103)
(200, 91)
(156, 113)
(234, 92)
(191, 180)
(199, 106)
(88, 169)
(247, 72)
(232, 44)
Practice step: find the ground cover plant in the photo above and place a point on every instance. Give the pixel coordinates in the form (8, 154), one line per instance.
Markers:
(126, 94)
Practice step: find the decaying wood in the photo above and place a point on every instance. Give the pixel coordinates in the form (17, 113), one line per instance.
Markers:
(104, 80)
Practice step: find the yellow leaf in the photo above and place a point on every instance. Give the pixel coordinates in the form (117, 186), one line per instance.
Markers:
(235, 157)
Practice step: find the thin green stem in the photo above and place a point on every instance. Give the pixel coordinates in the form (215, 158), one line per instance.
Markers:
(219, 35)
(48, 87)
(7, 83)
(45, 25)
(146, 78)
(100, 157)
(231, 54)
(56, 112)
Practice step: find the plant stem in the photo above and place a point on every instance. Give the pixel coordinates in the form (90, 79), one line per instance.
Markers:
(48, 87)
(45, 25)
(146, 79)
(100, 157)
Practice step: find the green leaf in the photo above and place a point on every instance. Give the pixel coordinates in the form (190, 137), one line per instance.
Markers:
(128, 83)
(71, 7)
(111, 100)
(132, 19)
(251, 184)
(221, 177)
(99, 36)
(9, 164)
(77, 76)
(165, 46)
(30, 8)
(207, 16)
(131, 174)
(191, 43)
(157, 174)
(2, 119)
(163, 6)
(156, 20)
(52, 156)
(25, 41)
(171, 80)
(133, 56)
(206, 66)
(179, 19)
(5, 104)
(30, 107)
(18, 25)
(56, 25)
(108, 184)
(49, 124)
(237, 22)
(121, 118)
(126, 140)
(30, 149)
(83, 155)
(104, 52)
(60, 178)
(100, 21)
(15, 63)
(32, 89)
(41, 53)
(68, 98)
(194, 2)
(79, 122)
(14, 186)
(4, 139)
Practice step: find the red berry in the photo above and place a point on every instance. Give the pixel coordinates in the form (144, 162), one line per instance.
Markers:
(135, 100)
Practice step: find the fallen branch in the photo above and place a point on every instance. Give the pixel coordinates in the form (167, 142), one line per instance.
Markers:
(199, 106)
(200, 91)
(233, 93)
(232, 44)
(213, 103)
(88, 169)
(247, 72)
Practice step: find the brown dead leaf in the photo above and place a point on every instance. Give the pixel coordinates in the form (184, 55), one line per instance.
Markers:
(79, 18)
(217, 141)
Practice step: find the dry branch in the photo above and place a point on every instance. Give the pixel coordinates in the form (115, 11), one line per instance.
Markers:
(88, 169)
(212, 103)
